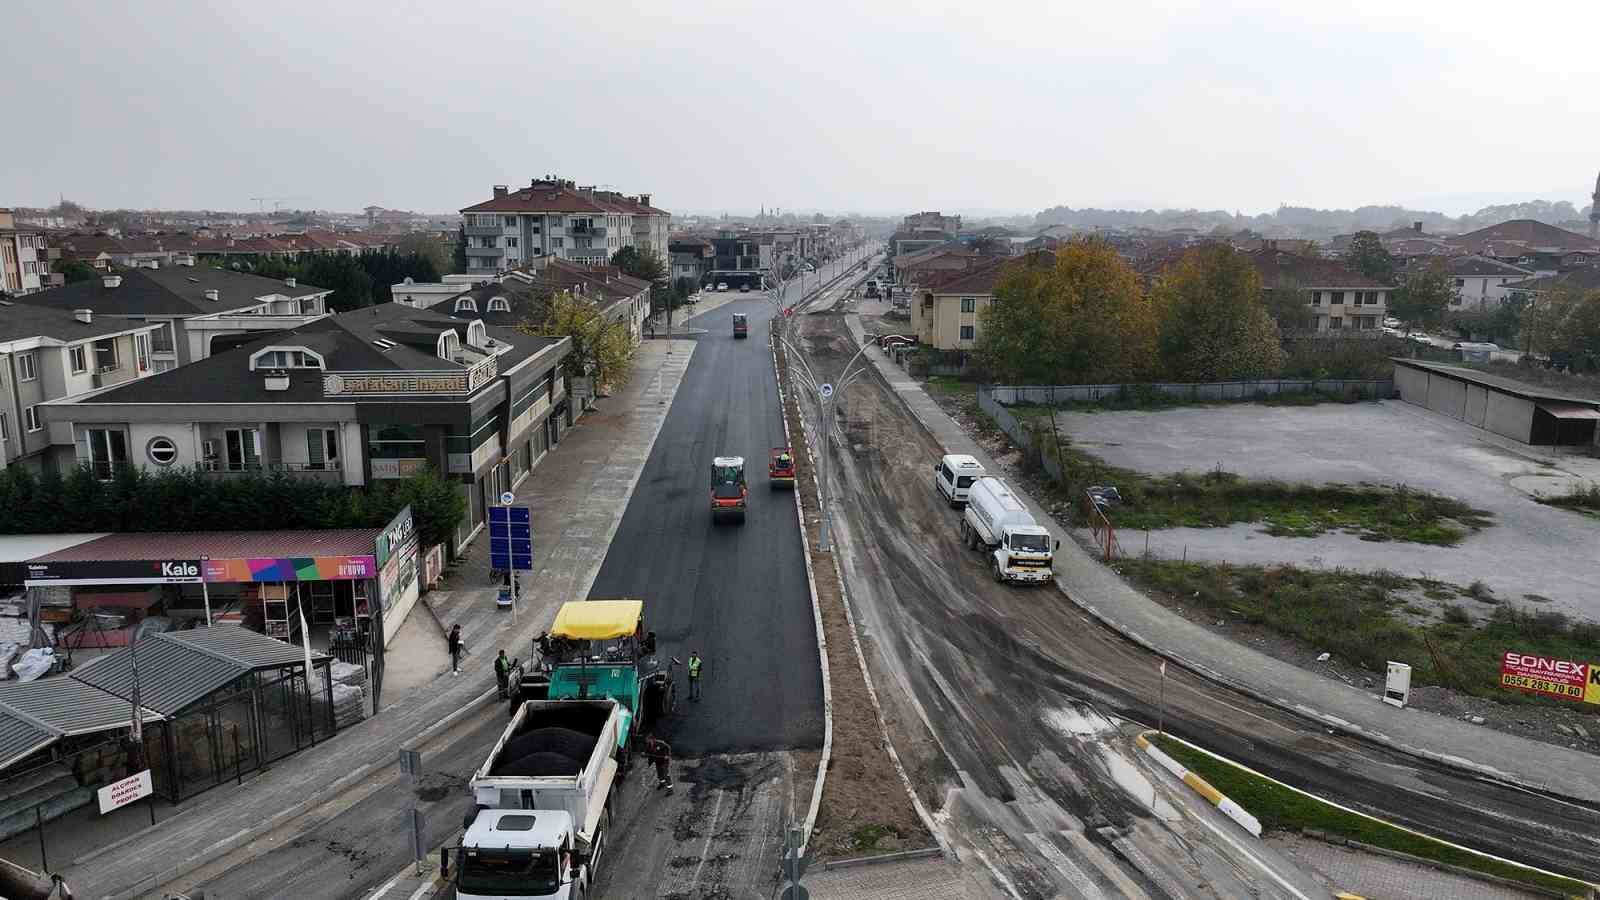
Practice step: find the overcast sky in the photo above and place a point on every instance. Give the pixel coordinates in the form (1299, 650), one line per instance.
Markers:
(871, 106)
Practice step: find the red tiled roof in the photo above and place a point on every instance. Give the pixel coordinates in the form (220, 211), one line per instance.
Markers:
(219, 545)
(1528, 233)
(1278, 268)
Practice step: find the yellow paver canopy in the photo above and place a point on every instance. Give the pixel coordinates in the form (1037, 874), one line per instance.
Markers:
(598, 620)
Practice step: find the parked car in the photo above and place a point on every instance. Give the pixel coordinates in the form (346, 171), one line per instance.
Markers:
(722, 285)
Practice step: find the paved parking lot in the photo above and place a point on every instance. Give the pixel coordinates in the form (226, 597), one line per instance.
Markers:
(1531, 548)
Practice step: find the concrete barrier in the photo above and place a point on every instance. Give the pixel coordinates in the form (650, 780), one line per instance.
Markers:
(1218, 799)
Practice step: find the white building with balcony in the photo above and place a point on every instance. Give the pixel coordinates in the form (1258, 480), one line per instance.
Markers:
(556, 218)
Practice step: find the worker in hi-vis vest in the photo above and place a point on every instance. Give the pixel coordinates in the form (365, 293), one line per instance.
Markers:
(694, 674)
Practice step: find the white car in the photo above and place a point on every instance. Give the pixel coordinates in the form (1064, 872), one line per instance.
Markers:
(722, 285)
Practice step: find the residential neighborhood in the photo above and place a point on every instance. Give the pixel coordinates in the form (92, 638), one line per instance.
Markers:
(887, 451)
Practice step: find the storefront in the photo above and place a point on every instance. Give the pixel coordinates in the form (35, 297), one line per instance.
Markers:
(114, 587)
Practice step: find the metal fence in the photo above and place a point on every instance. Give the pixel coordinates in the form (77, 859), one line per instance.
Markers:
(1203, 392)
(1030, 442)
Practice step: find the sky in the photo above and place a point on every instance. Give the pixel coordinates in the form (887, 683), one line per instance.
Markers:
(876, 107)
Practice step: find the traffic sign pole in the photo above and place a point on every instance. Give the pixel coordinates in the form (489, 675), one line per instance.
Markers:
(511, 542)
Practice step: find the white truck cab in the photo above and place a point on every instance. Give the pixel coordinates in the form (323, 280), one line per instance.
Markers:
(516, 853)
(953, 477)
(997, 523)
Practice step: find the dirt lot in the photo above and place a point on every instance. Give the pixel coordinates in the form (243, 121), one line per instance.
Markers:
(1552, 723)
(1531, 549)
(864, 811)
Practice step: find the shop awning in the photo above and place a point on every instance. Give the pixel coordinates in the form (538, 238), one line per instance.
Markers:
(21, 738)
(69, 707)
(1569, 410)
(178, 668)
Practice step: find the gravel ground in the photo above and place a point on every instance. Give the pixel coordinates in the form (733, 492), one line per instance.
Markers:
(1565, 725)
(1530, 549)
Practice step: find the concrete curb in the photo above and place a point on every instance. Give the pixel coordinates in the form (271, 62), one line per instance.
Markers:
(816, 618)
(1202, 787)
(434, 615)
(856, 862)
(1379, 850)
(240, 838)
(1325, 720)
(1434, 864)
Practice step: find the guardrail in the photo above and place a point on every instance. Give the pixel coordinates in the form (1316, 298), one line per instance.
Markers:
(1199, 392)
(1104, 533)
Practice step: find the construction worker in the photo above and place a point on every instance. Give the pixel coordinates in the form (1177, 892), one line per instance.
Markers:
(785, 460)
(659, 752)
(502, 672)
(694, 674)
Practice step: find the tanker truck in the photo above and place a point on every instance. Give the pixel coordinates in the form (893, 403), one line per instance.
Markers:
(996, 522)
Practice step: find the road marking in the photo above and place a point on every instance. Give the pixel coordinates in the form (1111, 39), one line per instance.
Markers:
(706, 847)
(385, 888)
(1075, 876)
(422, 889)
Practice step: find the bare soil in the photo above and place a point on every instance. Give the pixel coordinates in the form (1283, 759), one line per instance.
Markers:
(864, 809)
(1564, 726)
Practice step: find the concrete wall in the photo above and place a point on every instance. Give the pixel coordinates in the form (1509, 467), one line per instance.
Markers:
(1413, 385)
(1509, 416)
(1477, 405)
(1447, 396)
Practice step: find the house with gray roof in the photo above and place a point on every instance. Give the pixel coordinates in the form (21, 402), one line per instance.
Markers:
(371, 394)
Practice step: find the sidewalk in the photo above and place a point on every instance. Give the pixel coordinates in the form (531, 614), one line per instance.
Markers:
(1102, 594)
(578, 492)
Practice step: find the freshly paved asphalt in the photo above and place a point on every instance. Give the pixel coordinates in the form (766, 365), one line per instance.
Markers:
(737, 593)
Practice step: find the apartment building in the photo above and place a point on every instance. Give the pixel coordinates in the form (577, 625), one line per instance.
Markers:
(197, 309)
(1341, 300)
(52, 354)
(373, 394)
(25, 258)
(555, 217)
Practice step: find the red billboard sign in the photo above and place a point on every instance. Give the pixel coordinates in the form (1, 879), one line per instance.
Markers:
(1544, 675)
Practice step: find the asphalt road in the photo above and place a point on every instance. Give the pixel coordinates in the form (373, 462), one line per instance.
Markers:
(986, 685)
(735, 592)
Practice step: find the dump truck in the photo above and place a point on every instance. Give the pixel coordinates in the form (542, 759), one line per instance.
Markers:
(543, 802)
(996, 522)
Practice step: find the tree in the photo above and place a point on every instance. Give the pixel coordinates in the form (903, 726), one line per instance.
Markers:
(1214, 326)
(1079, 319)
(1368, 256)
(1565, 324)
(458, 256)
(424, 245)
(647, 265)
(1290, 307)
(1422, 299)
(75, 270)
(602, 348)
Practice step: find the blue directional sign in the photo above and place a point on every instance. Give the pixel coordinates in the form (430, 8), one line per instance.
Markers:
(510, 538)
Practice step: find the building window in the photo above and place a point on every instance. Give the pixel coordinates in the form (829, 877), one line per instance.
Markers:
(510, 221)
(966, 332)
(466, 304)
(105, 355)
(557, 243)
(969, 304)
(396, 442)
(1316, 298)
(1461, 282)
(25, 369)
(243, 446)
(1335, 323)
(30, 418)
(103, 450)
(286, 359)
(161, 450)
(322, 448)
(511, 242)
(499, 304)
(141, 352)
(80, 359)
(5, 428)
(161, 338)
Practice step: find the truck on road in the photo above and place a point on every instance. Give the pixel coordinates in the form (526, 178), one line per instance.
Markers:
(542, 802)
(997, 522)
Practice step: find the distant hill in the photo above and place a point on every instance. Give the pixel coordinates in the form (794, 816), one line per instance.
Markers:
(1304, 222)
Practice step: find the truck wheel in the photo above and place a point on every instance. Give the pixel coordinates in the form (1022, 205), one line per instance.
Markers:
(669, 701)
(994, 567)
(965, 538)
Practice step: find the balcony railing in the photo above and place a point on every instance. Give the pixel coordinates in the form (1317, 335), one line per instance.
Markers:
(491, 252)
(329, 472)
(484, 230)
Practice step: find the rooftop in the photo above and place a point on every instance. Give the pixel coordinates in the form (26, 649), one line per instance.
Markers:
(159, 545)
(1527, 233)
(1281, 269)
(176, 290)
(178, 668)
(24, 320)
(1498, 382)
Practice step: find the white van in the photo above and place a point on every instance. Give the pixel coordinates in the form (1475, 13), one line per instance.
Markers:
(953, 477)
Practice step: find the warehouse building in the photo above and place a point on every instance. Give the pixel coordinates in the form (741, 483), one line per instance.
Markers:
(1507, 407)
